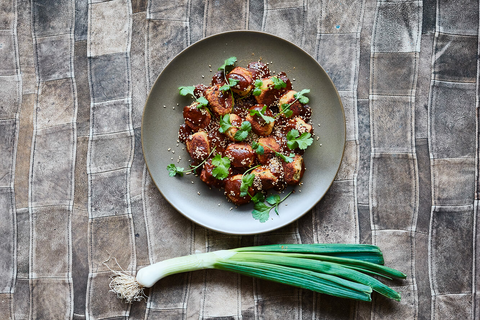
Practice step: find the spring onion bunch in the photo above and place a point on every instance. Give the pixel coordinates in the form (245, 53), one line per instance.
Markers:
(341, 270)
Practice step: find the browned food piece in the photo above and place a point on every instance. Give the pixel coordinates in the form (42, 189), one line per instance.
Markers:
(298, 124)
(199, 90)
(218, 78)
(270, 146)
(232, 190)
(196, 118)
(269, 94)
(244, 78)
(259, 126)
(221, 102)
(207, 175)
(217, 140)
(266, 178)
(241, 155)
(298, 109)
(293, 171)
(198, 146)
(258, 69)
(184, 132)
(236, 122)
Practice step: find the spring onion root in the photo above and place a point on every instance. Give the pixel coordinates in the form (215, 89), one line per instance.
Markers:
(341, 270)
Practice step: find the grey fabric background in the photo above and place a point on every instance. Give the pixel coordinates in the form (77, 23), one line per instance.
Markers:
(74, 76)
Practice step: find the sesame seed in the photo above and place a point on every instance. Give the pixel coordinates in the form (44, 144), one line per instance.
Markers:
(231, 208)
(173, 108)
(173, 151)
(164, 106)
(169, 149)
(198, 192)
(192, 181)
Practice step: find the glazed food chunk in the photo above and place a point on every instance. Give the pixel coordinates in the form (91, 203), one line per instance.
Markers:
(244, 81)
(236, 122)
(299, 124)
(198, 146)
(270, 146)
(272, 89)
(241, 155)
(259, 125)
(221, 102)
(266, 178)
(196, 118)
(207, 175)
(293, 171)
(288, 102)
(232, 190)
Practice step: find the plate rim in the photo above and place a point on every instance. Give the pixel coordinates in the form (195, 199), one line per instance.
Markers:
(270, 228)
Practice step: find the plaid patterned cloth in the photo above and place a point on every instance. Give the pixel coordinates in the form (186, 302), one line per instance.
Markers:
(74, 189)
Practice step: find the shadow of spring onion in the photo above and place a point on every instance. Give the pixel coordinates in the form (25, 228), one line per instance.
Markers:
(342, 270)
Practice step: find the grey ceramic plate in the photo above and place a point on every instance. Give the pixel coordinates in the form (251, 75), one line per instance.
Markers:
(209, 207)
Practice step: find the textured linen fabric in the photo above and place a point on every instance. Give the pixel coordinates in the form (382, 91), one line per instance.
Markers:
(74, 189)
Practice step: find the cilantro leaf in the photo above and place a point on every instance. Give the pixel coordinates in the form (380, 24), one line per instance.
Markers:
(231, 83)
(258, 84)
(261, 114)
(203, 102)
(278, 83)
(273, 199)
(261, 212)
(229, 62)
(247, 182)
(174, 170)
(225, 123)
(285, 158)
(184, 91)
(300, 96)
(221, 167)
(302, 142)
(258, 197)
(258, 148)
(243, 131)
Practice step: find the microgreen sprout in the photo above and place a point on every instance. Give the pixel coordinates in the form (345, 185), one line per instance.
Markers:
(295, 140)
(173, 170)
(261, 114)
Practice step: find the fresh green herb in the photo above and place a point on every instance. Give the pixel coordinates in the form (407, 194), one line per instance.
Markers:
(185, 91)
(261, 114)
(295, 141)
(261, 211)
(173, 170)
(299, 96)
(285, 158)
(231, 83)
(190, 90)
(278, 83)
(203, 102)
(229, 62)
(258, 148)
(247, 181)
(221, 167)
(243, 131)
(257, 90)
(225, 123)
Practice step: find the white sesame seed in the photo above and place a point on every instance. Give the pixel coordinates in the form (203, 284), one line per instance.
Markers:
(164, 106)
(192, 181)
(198, 192)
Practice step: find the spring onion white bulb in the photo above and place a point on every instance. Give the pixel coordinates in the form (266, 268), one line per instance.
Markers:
(342, 270)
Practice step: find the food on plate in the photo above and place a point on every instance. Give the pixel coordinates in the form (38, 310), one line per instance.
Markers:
(246, 132)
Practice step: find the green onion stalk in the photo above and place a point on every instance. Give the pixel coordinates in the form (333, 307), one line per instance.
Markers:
(342, 270)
